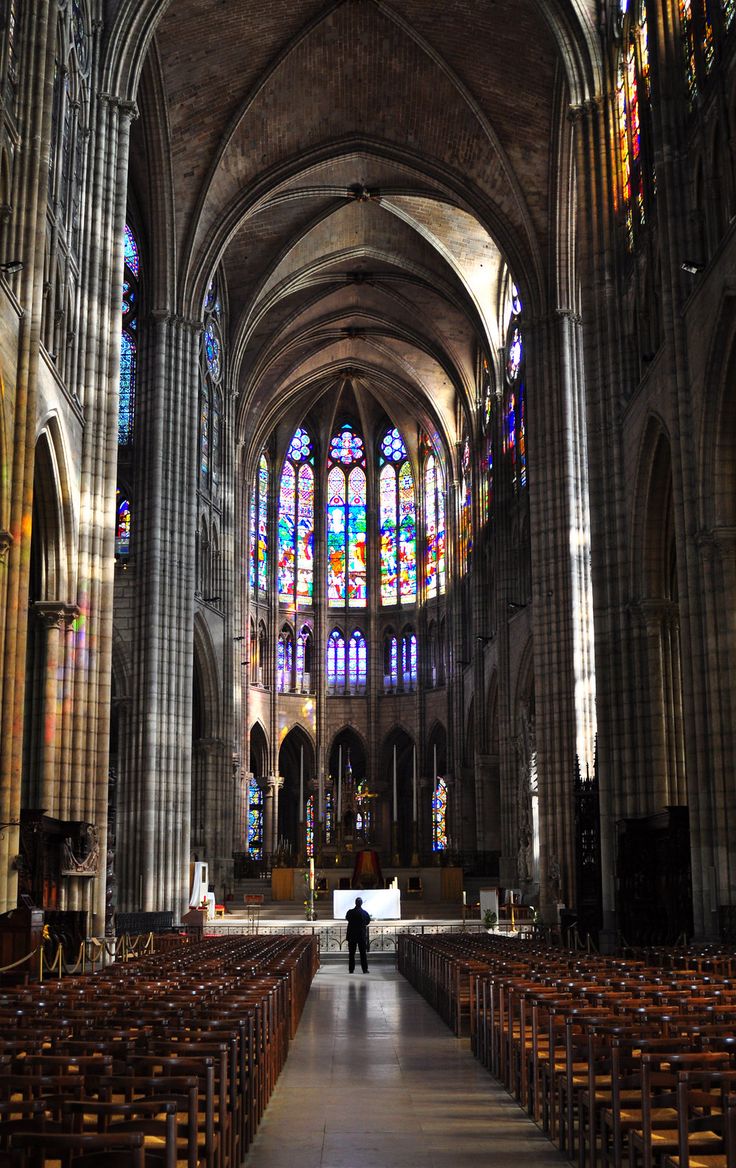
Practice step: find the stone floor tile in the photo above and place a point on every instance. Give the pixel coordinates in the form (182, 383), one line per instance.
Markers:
(374, 1079)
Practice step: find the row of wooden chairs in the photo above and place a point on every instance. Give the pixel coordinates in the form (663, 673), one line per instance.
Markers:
(620, 1062)
(179, 1055)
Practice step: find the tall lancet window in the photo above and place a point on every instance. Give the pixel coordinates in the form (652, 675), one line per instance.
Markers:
(439, 815)
(129, 339)
(434, 525)
(398, 523)
(632, 115)
(466, 508)
(489, 420)
(255, 819)
(335, 662)
(259, 530)
(122, 527)
(357, 663)
(295, 573)
(346, 520)
(514, 422)
(210, 400)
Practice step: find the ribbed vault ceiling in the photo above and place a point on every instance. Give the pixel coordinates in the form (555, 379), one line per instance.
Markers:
(362, 172)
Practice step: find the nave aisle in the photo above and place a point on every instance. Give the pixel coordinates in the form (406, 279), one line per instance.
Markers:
(374, 1079)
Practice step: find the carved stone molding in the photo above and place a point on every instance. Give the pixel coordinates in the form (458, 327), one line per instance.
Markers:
(55, 613)
(6, 540)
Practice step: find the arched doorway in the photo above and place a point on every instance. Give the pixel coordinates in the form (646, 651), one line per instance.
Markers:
(352, 819)
(296, 767)
(398, 759)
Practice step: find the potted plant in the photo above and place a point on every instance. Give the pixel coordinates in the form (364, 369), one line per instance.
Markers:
(490, 920)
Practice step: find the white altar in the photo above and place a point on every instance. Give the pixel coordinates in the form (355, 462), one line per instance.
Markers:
(383, 904)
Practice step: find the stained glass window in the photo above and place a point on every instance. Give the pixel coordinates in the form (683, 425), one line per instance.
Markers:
(260, 516)
(434, 522)
(253, 549)
(466, 508)
(284, 660)
(210, 408)
(488, 399)
(296, 522)
(212, 351)
(729, 11)
(11, 43)
(304, 660)
(122, 529)
(514, 428)
(409, 659)
(130, 252)
(397, 517)
(390, 661)
(128, 340)
(709, 45)
(310, 827)
(632, 111)
(255, 819)
(439, 815)
(357, 662)
(328, 816)
(336, 662)
(204, 434)
(346, 520)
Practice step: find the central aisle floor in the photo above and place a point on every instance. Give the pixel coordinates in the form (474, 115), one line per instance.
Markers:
(374, 1079)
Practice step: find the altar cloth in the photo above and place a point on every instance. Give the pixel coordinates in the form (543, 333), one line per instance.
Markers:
(383, 904)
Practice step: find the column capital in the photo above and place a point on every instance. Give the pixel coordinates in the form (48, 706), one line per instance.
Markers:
(585, 109)
(55, 613)
(658, 610)
(127, 108)
(6, 540)
(274, 782)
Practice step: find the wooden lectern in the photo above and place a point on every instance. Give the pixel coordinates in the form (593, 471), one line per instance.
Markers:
(21, 931)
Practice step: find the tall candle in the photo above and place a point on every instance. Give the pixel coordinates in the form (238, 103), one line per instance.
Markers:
(396, 805)
(414, 787)
(301, 784)
(339, 799)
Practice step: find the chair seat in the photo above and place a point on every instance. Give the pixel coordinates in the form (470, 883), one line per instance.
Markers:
(699, 1162)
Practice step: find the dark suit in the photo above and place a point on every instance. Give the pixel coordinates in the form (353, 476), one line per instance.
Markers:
(357, 936)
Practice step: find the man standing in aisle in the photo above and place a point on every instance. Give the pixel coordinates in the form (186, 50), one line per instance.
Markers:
(357, 934)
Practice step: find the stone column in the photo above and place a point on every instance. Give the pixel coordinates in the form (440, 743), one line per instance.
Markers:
(274, 783)
(54, 617)
(155, 796)
(26, 238)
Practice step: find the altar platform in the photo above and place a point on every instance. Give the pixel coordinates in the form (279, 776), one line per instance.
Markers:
(330, 931)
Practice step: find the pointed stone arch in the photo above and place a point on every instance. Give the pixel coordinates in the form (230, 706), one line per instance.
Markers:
(50, 615)
(655, 557)
(297, 766)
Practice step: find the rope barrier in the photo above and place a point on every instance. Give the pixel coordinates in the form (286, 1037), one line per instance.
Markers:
(91, 951)
(15, 964)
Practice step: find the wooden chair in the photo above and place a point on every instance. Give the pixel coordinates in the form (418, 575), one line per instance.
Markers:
(156, 1119)
(656, 1134)
(723, 1157)
(37, 1149)
(180, 1090)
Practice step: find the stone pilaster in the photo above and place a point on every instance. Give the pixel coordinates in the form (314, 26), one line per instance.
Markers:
(155, 796)
(26, 240)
